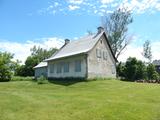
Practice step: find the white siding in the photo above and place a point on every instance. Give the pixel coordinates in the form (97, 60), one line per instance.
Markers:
(42, 71)
(71, 61)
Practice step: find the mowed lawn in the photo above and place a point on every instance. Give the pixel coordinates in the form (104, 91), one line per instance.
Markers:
(94, 100)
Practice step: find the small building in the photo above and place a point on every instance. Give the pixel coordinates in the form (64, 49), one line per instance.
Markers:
(157, 65)
(41, 70)
(89, 57)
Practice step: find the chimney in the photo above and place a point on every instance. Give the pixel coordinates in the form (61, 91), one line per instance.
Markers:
(66, 41)
(100, 29)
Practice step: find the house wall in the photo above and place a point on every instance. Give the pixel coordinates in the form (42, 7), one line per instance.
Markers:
(98, 67)
(42, 71)
(71, 72)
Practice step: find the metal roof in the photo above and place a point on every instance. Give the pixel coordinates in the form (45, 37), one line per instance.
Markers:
(41, 64)
(83, 45)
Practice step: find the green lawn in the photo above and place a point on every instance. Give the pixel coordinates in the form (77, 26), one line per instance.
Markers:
(94, 100)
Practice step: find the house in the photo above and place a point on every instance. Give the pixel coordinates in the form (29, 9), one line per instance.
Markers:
(157, 65)
(41, 70)
(88, 57)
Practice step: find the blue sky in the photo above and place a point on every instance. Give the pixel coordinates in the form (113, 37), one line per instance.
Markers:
(25, 23)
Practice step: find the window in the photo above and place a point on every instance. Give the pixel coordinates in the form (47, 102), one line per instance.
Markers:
(113, 69)
(101, 41)
(66, 67)
(104, 55)
(98, 52)
(52, 68)
(78, 66)
(59, 67)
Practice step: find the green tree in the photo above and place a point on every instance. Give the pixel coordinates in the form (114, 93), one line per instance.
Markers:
(134, 69)
(151, 72)
(147, 53)
(5, 66)
(121, 70)
(37, 55)
(116, 26)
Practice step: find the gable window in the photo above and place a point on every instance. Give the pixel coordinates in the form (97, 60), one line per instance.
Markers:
(59, 67)
(52, 68)
(66, 67)
(98, 53)
(78, 66)
(105, 55)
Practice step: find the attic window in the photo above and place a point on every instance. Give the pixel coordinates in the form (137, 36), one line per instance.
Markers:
(105, 55)
(101, 41)
(98, 53)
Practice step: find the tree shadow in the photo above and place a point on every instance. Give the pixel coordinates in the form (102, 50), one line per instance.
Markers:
(66, 81)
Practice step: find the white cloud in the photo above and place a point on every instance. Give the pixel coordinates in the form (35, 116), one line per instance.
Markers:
(89, 6)
(22, 50)
(135, 51)
(141, 6)
(75, 1)
(106, 1)
(73, 7)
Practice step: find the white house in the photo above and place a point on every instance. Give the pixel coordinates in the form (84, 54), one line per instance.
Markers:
(88, 57)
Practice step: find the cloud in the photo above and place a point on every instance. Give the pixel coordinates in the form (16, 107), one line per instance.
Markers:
(136, 51)
(73, 7)
(22, 50)
(106, 1)
(97, 7)
(75, 1)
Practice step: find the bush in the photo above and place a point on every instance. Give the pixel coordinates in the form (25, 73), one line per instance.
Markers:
(20, 78)
(5, 66)
(134, 69)
(120, 70)
(41, 80)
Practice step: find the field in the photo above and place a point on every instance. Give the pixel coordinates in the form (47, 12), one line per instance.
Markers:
(93, 100)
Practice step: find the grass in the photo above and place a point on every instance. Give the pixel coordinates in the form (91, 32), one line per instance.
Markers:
(93, 100)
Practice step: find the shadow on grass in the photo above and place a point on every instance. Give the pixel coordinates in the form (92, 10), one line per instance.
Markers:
(66, 81)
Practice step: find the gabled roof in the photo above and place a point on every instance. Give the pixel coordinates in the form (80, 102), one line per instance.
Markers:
(156, 62)
(41, 64)
(83, 45)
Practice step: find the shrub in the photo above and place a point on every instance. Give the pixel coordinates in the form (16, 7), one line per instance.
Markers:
(5, 66)
(151, 72)
(120, 70)
(20, 78)
(41, 80)
(135, 69)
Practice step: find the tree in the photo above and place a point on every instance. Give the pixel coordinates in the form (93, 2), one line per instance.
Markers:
(134, 69)
(120, 70)
(5, 66)
(147, 53)
(151, 72)
(116, 26)
(38, 54)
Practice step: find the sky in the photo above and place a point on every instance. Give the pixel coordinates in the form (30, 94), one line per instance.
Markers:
(46, 23)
